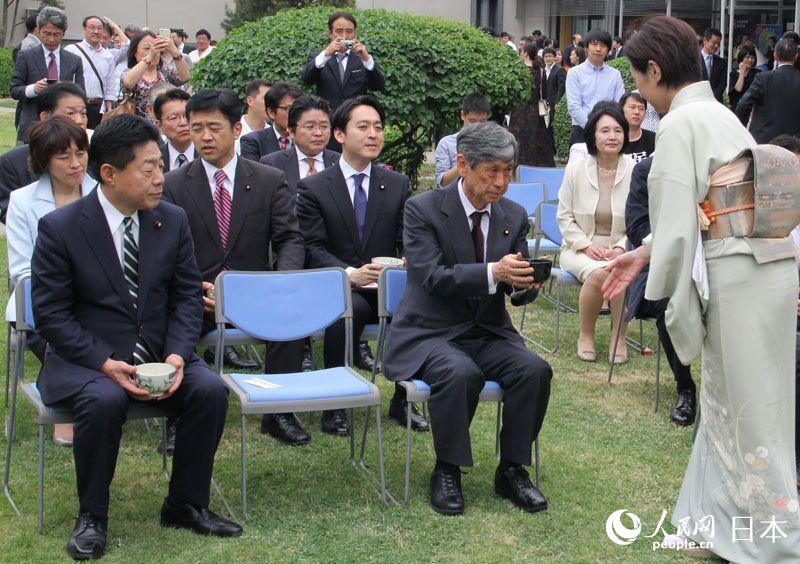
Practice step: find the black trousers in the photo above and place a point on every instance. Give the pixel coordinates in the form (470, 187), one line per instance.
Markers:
(93, 115)
(655, 310)
(365, 310)
(577, 136)
(281, 357)
(101, 407)
(456, 373)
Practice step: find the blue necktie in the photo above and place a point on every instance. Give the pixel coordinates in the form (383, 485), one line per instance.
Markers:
(360, 204)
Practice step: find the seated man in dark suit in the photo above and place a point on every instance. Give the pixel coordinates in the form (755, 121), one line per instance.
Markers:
(236, 209)
(170, 111)
(464, 245)
(60, 99)
(278, 99)
(350, 213)
(35, 68)
(115, 284)
(637, 223)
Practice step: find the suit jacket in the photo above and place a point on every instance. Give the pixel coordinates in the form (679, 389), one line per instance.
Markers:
(357, 79)
(287, 162)
(328, 220)
(773, 99)
(447, 291)
(259, 144)
(166, 159)
(29, 68)
(81, 302)
(262, 212)
(718, 77)
(555, 87)
(14, 173)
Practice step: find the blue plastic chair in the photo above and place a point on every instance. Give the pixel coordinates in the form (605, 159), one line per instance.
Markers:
(49, 415)
(265, 305)
(550, 177)
(529, 195)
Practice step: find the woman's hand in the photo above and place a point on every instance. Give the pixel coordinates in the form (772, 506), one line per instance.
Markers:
(595, 252)
(743, 67)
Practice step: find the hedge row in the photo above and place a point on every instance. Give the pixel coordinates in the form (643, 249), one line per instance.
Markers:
(6, 68)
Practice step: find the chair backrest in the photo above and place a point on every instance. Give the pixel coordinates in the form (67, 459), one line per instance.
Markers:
(527, 194)
(550, 177)
(285, 305)
(391, 287)
(548, 222)
(24, 305)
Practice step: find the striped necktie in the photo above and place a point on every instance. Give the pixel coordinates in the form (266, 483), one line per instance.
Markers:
(130, 269)
(222, 206)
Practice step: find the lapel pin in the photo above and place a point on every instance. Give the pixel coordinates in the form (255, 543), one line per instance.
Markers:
(247, 188)
(158, 224)
(506, 232)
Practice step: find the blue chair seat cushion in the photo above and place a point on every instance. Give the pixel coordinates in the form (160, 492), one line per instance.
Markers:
(421, 386)
(303, 386)
(563, 276)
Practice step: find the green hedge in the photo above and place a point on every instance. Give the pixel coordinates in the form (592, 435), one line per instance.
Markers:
(6, 69)
(562, 127)
(429, 64)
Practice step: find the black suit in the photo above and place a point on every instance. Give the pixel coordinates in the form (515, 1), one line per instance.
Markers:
(449, 331)
(84, 311)
(166, 159)
(259, 144)
(718, 77)
(773, 99)
(30, 68)
(357, 79)
(554, 89)
(14, 173)
(287, 162)
(328, 222)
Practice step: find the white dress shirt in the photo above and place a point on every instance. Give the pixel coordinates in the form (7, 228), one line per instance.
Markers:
(319, 165)
(349, 174)
(196, 55)
(105, 64)
(322, 59)
(114, 217)
(246, 127)
(174, 154)
(230, 173)
(30, 91)
(469, 209)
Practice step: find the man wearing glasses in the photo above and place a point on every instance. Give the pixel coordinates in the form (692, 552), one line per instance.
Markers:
(169, 109)
(278, 99)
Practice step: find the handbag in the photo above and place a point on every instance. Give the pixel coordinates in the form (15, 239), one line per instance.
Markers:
(126, 106)
(544, 107)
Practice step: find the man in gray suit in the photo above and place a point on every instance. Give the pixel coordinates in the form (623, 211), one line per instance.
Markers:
(36, 68)
(464, 245)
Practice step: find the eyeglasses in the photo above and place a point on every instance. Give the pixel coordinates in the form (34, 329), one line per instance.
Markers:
(310, 127)
(175, 118)
(94, 27)
(284, 108)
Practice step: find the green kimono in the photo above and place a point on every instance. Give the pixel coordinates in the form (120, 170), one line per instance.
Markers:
(742, 464)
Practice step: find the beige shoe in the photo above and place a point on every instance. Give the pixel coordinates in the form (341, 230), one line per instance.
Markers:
(62, 434)
(587, 356)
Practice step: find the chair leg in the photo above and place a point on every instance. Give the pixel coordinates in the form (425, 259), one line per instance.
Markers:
(8, 376)
(244, 467)
(40, 496)
(537, 467)
(381, 469)
(522, 321)
(558, 317)
(364, 435)
(616, 341)
(9, 443)
(407, 495)
(352, 436)
(425, 412)
(164, 444)
(658, 373)
(497, 431)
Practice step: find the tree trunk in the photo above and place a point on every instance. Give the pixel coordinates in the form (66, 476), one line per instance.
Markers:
(8, 24)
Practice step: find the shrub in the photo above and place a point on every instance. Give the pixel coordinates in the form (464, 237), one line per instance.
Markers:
(6, 69)
(562, 127)
(429, 64)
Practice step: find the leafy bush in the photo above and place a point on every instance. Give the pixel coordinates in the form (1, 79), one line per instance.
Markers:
(6, 69)
(562, 126)
(429, 64)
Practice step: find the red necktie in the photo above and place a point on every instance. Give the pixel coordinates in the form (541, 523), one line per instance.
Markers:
(283, 143)
(311, 170)
(52, 69)
(222, 206)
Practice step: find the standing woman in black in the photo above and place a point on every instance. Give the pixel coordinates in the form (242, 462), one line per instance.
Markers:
(527, 126)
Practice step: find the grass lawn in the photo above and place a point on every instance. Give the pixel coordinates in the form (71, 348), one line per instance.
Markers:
(603, 449)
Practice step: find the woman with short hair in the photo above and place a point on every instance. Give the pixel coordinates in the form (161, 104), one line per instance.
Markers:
(742, 74)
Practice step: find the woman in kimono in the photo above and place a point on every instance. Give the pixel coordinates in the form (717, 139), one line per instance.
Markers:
(739, 313)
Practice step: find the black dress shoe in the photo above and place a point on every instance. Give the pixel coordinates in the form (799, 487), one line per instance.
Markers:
(397, 411)
(285, 427)
(172, 428)
(308, 359)
(334, 422)
(231, 359)
(88, 538)
(514, 484)
(446, 495)
(364, 359)
(182, 515)
(685, 409)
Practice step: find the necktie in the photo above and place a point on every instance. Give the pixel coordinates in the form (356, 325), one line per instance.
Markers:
(360, 204)
(340, 60)
(283, 143)
(477, 234)
(52, 69)
(182, 160)
(130, 269)
(222, 206)
(709, 62)
(311, 162)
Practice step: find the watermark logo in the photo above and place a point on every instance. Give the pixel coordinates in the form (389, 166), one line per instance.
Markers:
(618, 532)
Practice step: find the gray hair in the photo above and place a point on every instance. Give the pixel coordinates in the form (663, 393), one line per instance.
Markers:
(487, 141)
(157, 90)
(131, 28)
(52, 15)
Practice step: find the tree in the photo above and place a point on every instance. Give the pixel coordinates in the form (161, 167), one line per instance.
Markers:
(429, 64)
(250, 10)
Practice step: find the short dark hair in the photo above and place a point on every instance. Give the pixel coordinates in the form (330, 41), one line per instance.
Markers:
(549, 51)
(223, 99)
(635, 95)
(50, 137)
(669, 42)
(115, 141)
(792, 35)
(475, 102)
(786, 50)
(599, 35)
(304, 104)
(744, 51)
(788, 142)
(134, 46)
(87, 18)
(50, 97)
(536, 32)
(203, 32)
(336, 15)
(254, 86)
(504, 34)
(711, 32)
(342, 115)
(176, 94)
(489, 31)
(604, 108)
(179, 32)
(618, 39)
(30, 21)
(574, 35)
(278, 91)
(580, 52)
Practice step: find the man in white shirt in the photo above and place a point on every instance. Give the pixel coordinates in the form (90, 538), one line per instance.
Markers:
(204, 47)
(474, 109)
(277, 101)
(255, 118)
(170, 111)
(179, 37)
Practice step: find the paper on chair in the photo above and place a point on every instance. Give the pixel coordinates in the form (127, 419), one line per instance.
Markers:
(259, 383)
